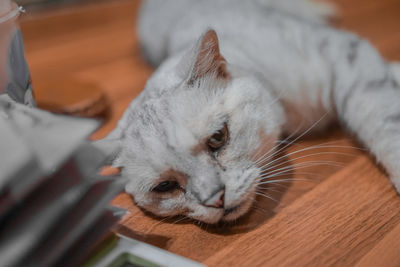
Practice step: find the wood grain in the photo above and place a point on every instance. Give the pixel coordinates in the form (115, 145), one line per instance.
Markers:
(385, 253)
(332, 225)
(343, 214)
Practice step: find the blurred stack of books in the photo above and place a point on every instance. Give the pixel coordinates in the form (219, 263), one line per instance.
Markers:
(53, 203)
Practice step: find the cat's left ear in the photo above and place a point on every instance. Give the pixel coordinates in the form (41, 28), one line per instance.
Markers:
(208, 59)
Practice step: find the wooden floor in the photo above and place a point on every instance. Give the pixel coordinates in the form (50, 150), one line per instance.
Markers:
(343, 213)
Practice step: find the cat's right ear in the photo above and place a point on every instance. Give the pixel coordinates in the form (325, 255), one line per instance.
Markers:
(208, 60)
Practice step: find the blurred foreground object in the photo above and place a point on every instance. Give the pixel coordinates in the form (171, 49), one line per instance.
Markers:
(121, 251)
(51, 197)
(64, 97)
(14, 72)
(53, 202)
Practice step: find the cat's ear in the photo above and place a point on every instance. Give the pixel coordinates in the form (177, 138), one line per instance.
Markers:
(208, 59)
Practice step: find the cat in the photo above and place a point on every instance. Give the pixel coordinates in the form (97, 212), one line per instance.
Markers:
(233, 77)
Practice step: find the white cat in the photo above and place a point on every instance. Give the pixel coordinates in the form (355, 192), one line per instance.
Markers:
(194, 141)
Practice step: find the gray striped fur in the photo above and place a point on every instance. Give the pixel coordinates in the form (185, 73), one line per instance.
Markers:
(287, 69)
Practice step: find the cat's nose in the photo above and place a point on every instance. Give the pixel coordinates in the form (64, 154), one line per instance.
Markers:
(217, 200)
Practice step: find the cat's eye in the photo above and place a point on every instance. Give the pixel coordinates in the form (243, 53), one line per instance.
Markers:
(166, 186)
(218, 139)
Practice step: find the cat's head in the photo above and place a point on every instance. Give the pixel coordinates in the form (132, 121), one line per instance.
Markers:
(192, 138)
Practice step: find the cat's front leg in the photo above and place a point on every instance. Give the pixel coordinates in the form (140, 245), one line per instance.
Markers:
(366, 94)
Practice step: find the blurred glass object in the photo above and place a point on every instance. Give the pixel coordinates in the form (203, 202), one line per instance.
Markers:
(8, 14)
(14, 71)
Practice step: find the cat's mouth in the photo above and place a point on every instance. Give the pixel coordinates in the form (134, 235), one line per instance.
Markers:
(231, 210)
(237, 211)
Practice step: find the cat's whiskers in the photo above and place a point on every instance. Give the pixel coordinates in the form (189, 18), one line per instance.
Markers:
(269, 189)
(269, 170)
(254, 158)
(180, 219)
(288, 180)
(298, 137)
(201, 224)
(257, 210)
(158, 223)
(278, 143)
(275, 149)
(285, 173)
(257, 158)
(276, 178)
(266, 196)
(277, 98)
(286, 170)
(320, 146)
(278, 185)
(329, 144)
(301, 165)
(260, 210)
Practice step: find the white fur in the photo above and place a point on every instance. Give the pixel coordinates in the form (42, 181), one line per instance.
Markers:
(288, 70)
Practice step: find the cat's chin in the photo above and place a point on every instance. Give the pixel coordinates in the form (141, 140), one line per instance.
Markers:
(216, 216)
(238, 211)
(227, 215)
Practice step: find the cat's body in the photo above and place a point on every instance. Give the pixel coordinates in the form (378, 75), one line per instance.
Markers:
(263, 37)
(285, 70)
